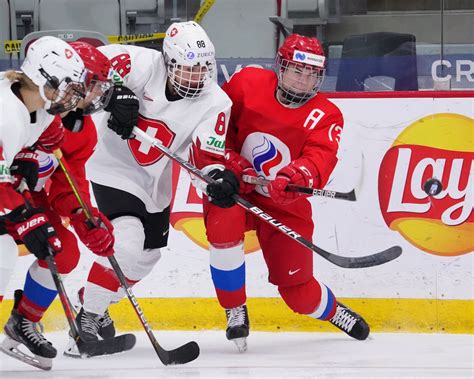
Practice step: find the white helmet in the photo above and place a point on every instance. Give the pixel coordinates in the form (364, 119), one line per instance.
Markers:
(190, 58)
(51, 63)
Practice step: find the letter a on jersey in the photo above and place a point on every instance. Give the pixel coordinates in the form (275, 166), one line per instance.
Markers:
(142, 151)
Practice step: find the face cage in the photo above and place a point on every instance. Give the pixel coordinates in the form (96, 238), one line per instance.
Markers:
(66, 96)
(180, 79)
(97, 96)
(292, 93)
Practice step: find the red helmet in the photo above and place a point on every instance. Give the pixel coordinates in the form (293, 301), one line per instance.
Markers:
(98, 81)
(304, 58)
(303, 44)
(96, 62)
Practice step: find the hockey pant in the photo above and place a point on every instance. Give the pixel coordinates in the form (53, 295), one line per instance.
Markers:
(290, 265)
(103, 287)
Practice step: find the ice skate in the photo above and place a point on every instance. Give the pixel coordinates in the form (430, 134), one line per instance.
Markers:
(350, 322)
(106, 324)
(21, 331)
(238, 326)
(90, 344)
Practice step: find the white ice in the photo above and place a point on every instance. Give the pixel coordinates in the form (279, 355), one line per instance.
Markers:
(272, 355)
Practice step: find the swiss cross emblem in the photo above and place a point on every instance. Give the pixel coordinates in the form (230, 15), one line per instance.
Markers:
(68, 53)
(173, 32)
(143, 152)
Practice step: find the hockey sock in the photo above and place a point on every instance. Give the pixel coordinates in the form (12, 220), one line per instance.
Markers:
(38, 293)
(228, 275)
(310, 298)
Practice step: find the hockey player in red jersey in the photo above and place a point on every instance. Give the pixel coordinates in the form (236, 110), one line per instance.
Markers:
(284, 130)
(77, 141)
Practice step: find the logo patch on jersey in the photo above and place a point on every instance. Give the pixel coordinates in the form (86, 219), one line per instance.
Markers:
(144, 153)
(265, 157)
(121, 64)
(268, 155)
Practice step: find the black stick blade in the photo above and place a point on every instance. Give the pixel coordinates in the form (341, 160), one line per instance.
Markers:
(183, 354)
(368, 261)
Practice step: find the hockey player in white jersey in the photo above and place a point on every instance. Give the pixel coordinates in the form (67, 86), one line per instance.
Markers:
(51, 81)
(181, 105)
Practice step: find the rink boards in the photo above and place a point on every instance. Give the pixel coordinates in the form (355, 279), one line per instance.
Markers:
(390, 145)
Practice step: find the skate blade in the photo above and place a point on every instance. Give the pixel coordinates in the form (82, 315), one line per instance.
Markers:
(72, 350)
(241, 344)
(10, 347)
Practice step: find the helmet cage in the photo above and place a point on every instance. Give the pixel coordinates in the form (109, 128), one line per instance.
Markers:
(97, 95)
(182, 77)
(304, 76)
(64, 95)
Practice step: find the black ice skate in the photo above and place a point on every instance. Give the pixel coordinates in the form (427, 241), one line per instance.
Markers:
(90, 345)
(21, 331)
(238, 326)
(350, 322)
(106, 324)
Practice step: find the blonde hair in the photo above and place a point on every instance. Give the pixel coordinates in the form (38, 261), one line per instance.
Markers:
(18, 76)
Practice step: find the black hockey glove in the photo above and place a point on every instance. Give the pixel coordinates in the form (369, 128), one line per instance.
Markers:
(123, 107)
(33, 228)
(25, 167)
(221, 193)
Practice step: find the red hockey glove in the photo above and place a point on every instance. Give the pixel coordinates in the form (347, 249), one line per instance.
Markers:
(240, 166)
(33, 228)
(25, 166)
(53, 137)
(291, 174)
(100, 239)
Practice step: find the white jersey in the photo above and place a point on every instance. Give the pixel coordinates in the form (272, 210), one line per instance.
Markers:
(137, 167)
(16, 129)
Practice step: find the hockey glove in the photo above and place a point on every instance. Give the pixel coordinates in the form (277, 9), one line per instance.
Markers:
(123, 107)
(240, 166)
(52, 138)
(291, 174)
(25, 166)
(98, 239)
(32, 227)
(221, 193)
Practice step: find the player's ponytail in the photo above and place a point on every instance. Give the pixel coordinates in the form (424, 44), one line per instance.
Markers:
(18, 76)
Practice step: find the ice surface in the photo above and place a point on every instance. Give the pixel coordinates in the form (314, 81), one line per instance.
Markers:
(272, 355)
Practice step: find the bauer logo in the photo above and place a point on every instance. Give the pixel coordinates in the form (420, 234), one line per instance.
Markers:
(440, 146)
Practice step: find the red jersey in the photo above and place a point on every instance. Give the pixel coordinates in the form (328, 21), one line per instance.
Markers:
(77, 149)
(271, 136)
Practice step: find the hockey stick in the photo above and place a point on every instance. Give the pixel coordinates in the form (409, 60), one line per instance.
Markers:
(58, 282)
(183, 354)
(89, 348)
(350, 196)
(346, 262)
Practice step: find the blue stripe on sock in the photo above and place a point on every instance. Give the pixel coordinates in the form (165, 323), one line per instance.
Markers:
(38, 294)
(329, 305)
(231, 280)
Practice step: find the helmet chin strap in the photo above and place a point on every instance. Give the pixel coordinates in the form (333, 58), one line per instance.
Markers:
(47, 102)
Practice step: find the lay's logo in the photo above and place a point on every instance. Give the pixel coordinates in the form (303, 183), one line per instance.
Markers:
(441, 146)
